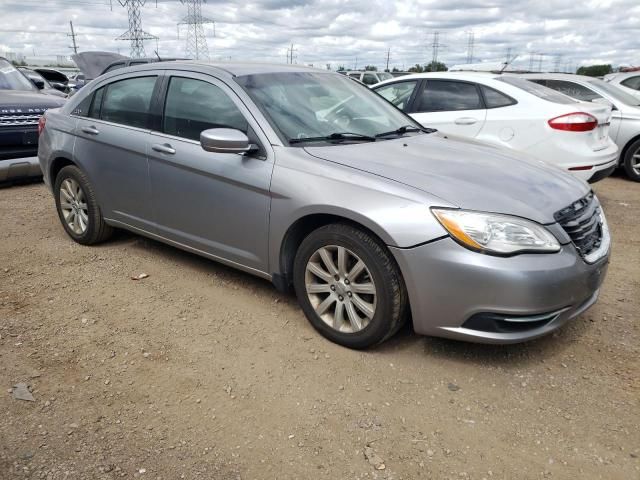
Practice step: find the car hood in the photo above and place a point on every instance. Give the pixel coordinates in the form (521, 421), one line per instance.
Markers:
(466, 173)
(92, 64)
(22, 99)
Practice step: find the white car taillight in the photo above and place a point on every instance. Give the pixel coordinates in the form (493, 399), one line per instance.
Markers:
(574, 122)
(41, 124)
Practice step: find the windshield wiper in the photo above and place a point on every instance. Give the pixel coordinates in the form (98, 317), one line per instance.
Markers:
(404, 129)
(333, 137)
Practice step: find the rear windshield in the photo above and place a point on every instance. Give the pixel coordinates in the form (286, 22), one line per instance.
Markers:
(537, 90)
(615, 92)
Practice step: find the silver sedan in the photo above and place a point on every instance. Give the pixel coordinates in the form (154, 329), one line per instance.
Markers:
(310, 180)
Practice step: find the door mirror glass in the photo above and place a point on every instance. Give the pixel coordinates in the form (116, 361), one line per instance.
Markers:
(225, 140)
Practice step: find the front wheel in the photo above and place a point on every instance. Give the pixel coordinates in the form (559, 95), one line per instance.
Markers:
(78, 208)
(349, 286)
(632, 161)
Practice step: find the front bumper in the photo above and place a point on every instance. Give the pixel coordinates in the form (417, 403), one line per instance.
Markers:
(18, 168)
(448, 285)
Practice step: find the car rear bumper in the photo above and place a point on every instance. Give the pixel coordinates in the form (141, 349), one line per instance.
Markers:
(582, 164)
(17, 168)
(460, 294)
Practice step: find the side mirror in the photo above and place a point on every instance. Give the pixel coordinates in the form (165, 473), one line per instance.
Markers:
(38, 83)
(225, 140)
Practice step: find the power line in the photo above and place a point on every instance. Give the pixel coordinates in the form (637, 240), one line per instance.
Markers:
(196, 40)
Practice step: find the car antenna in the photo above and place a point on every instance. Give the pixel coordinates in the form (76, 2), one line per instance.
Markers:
(156, 52)
(508, 62)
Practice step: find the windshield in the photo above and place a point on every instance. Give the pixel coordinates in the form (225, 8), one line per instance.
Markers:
(615, 92)
(537, 90)
(303, 105)
(12, 79)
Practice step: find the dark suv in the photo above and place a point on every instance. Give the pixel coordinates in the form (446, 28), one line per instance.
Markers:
(21, 106)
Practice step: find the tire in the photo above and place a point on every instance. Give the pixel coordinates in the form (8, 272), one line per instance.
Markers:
(332, 298)
(630, 161)
(78, 209)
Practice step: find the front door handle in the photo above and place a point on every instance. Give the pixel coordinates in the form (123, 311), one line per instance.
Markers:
(90, 130)
(163, 148)
(465, 121)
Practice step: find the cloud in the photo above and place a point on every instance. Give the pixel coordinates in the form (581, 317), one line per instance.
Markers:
(343, 32)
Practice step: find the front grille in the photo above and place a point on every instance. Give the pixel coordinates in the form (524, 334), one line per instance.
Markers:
(18, 119)
(582, 222)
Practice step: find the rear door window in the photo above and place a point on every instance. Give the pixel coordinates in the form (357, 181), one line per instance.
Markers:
(193, 106)
(398, 93)
(127, 102)
(447, 95)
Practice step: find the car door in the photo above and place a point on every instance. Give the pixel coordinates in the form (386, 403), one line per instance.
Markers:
(111, 140)
(451, 106)
(217, 203)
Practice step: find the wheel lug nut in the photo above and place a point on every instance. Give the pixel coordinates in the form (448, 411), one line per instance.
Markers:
(337, 277)
(333, 287)
(349, 293)
(346, 282)
(341, 298)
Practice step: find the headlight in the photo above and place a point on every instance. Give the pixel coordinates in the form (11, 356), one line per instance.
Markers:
(494, 233)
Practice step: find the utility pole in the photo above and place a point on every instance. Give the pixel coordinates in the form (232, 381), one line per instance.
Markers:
(388, 55)
(470, 44)
(73, 38)
(290, 52)
(135, 34)
(435, 46)
(196, 41)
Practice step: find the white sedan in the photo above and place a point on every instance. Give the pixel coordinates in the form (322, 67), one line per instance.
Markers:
(511, 112)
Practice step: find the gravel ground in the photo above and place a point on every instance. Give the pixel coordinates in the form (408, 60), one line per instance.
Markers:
(200, 371)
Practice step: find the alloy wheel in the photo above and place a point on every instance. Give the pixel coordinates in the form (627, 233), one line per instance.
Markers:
(635, 161)
(340, 288)
(74, 206)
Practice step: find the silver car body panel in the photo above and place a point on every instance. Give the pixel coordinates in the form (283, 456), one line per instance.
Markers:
(250, 203)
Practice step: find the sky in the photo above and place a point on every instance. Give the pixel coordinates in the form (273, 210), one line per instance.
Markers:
(349, 33)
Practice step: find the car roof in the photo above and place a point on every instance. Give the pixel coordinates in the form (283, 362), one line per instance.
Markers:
(456, 74)
(237, 69)
(556, 76)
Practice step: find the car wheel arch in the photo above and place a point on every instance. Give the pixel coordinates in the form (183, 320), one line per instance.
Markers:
(626, 148)
(58, 164)
(297, 232)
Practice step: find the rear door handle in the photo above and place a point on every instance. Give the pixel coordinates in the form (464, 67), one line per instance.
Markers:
(465, 121)
(163, 148)
(90, 130)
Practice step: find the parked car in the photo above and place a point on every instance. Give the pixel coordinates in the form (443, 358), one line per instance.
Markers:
(370, 77)
(625, 119)
(41, 83)
(308, 179)
(627, 81)
(56, 79)
(95, 63)
(511, 112)
(21, 105)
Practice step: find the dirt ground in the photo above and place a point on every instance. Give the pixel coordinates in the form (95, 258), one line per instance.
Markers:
(200, 371)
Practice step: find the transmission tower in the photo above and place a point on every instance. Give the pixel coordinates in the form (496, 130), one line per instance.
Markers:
(135, 34)
(73, 38)
(470, 44)
(291, 54)
(435, 46)
(196, 41)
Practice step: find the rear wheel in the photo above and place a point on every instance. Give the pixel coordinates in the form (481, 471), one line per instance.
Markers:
(77, 207)
(632, 161)
(349, 286)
